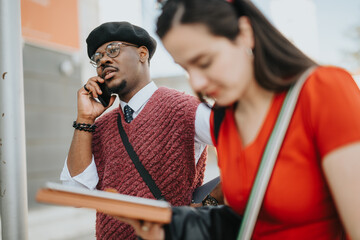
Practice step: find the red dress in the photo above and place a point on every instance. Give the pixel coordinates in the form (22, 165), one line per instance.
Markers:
(298, 203)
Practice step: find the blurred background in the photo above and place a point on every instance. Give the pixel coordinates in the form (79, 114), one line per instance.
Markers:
(56, 65)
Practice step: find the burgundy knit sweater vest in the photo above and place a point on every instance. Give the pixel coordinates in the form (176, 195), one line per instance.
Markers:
(162, 135)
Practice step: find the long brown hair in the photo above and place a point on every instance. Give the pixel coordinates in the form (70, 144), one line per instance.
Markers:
(277, 62)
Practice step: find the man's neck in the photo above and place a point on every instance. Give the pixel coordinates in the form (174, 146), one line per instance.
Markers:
(129, 95)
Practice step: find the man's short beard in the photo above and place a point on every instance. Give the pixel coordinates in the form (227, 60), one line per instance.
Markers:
(119, 88)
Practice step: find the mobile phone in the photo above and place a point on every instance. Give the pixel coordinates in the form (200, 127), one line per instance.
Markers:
(104, 98)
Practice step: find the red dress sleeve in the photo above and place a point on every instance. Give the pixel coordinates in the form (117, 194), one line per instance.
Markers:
(334, 108)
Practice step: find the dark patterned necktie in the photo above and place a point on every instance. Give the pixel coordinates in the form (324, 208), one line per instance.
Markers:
(128, 112)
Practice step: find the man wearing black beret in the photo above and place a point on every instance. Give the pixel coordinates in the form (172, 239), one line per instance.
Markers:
(167, 130)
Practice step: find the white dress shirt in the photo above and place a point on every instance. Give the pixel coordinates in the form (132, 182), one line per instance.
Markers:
(89, 177)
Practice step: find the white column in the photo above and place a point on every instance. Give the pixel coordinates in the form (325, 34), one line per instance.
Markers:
(13, 182)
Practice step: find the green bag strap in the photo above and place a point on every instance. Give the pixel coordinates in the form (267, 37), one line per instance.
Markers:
(269, 158)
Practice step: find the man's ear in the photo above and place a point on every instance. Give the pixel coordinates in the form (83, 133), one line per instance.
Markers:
(143, 53)
(246, 34)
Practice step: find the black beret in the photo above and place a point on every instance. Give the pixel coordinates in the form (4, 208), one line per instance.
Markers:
(119, 31)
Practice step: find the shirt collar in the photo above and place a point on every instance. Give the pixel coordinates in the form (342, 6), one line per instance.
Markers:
(141, 97)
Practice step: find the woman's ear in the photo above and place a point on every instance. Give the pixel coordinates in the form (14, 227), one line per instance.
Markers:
(246, 34)
(143, 53)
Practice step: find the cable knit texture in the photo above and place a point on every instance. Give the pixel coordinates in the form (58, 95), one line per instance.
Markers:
(162, 135)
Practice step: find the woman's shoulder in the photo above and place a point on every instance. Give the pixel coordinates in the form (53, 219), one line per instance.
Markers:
(324, 69)
(329, 76)
(329, 81)
(330, 103)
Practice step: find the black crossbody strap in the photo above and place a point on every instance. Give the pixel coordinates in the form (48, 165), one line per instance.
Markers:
(138, 165)
(219, 114)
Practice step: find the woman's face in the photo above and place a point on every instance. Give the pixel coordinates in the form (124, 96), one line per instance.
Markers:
(217, 67)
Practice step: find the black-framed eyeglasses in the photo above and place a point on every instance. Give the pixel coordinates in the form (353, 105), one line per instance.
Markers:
(112, 50)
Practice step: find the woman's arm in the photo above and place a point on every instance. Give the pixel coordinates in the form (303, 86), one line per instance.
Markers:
(342, 171)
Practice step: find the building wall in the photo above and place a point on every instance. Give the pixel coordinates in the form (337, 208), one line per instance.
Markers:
(52, 75)
(50, 109)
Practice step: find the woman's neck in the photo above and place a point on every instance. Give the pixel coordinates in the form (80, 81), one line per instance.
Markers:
(255, 99)
(251, 111)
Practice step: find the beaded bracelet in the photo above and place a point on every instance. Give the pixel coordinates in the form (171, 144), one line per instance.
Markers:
(84, 127)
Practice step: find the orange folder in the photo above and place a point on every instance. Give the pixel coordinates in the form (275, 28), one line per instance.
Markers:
(107, 202)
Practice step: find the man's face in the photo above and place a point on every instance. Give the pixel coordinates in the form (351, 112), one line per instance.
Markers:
(118, 64)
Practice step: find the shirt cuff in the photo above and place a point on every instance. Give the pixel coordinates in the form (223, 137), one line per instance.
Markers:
(88, 178)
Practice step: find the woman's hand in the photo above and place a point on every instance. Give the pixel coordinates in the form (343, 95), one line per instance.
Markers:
(146, 230)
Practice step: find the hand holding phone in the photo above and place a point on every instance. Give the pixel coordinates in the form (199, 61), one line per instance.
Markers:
(104, 98)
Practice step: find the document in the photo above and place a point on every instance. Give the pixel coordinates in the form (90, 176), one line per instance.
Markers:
(107, 202)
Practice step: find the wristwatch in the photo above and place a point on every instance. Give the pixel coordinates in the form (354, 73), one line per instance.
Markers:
(209, 201)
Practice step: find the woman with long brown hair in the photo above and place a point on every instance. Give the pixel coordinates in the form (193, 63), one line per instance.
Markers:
(235, 56)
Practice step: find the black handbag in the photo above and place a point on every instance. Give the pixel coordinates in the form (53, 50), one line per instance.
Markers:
(210, 223)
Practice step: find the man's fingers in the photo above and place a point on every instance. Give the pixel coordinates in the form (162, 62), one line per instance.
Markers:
(93, 89)
(146, 226)
(86, 88)
(93, 86)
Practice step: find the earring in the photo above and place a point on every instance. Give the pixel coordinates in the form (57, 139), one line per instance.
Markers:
(249, 52)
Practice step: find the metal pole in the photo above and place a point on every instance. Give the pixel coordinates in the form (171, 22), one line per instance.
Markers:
(13, 182)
